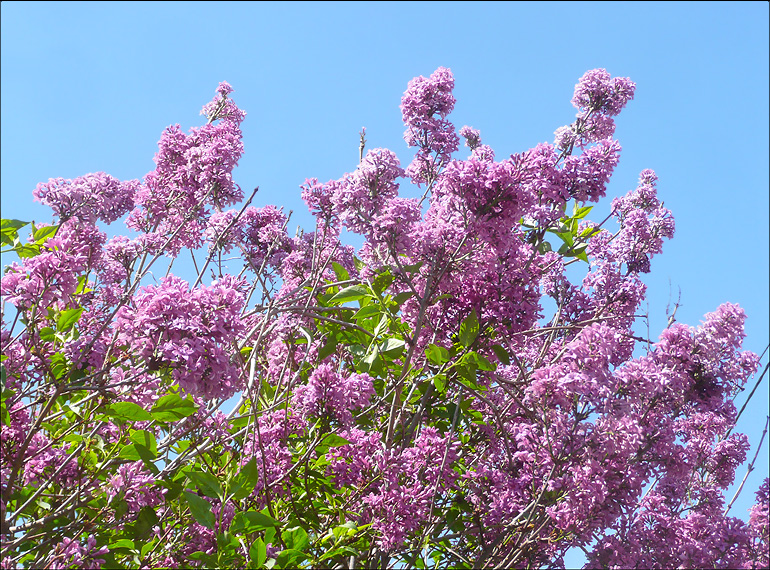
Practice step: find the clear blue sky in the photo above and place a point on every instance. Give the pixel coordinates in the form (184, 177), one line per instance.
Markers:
(90, 86)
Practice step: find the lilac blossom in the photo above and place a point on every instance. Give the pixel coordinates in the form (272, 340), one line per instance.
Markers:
(472, 137)
(758, 551)
(598, 97)
(203, 539)
(396, 488)
(597, 91)
(88, 198)
(69, 553)
(269, 445)
(53, 273)
(193, 172)
(644, 222)
(434, 136)
(329, 394)
(318, 197)
(358, 197)
(312, 253)
(117, 261)
(135, 485)
(189, 331)
(264, 236)
(393, 226)
(586, 176)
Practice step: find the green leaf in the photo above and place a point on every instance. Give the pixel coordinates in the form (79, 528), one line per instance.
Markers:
(371, 362)
(382, 281)
(438, 355)
(128, 411)
(172, 407)
(146, 519)
(391, 346)
(226, 543)
(147, 547)
(295, 538)
(439, 381)
(402, 297)
(136, 452)
(577, 251)
(334, 440)
(367, 312)
(58, 365)
(26, 250)
(501, 353)
(414, 268)
(9, 224)
(469, 329)
(174, 488)
(352, 293)
(206, 482)
(341, 273)
(567, 237)
(328, 348)
(82, 285)
(122, 543)
(581, 213)
(252, 521)
(146, 439)
(381, 327)
(208, 560)
(42, 234)
(291, 558)
(244, 482)
(238, 422)
(9, 230)
(68, 318)
(200, 509)
(589, 232)
(47, 334)
(258, 553)
(479, 361)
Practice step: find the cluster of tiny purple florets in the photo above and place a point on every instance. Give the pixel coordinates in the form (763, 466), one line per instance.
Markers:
(425, 105)
(329, 394)
(193, 172)
(189, 331)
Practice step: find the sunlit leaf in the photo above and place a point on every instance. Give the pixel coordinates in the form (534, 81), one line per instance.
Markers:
(200, 509)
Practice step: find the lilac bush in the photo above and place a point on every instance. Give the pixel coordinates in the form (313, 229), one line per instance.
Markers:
(467, 390)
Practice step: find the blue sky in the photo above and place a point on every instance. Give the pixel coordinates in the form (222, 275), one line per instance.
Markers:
(90, 86)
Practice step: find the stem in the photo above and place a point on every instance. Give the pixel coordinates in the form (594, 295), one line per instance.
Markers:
(750, 468)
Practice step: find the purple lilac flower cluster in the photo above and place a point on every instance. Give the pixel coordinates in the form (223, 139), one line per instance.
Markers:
(269, 445)
(396, 488)
(329, 394)
(644, 222)
(261, 232)
(88, 198)
(435, 136)
(189, 331)
(50, 279)
(598, 98)
(193, 172)
(69, 553)
(135, 485)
